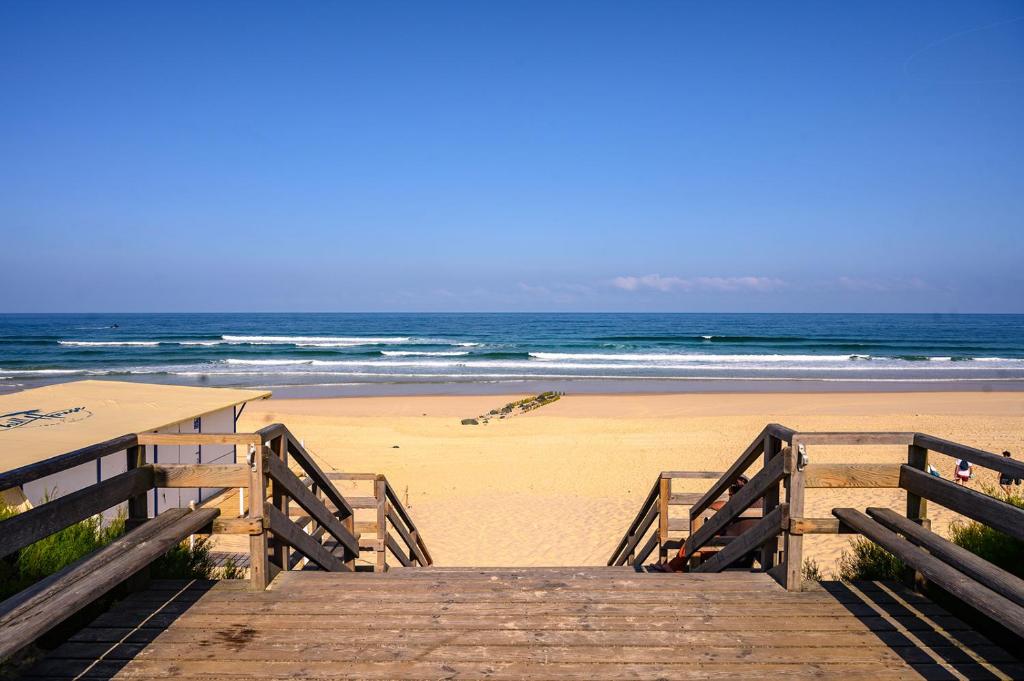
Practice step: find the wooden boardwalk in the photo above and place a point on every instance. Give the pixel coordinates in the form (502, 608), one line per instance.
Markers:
(526, 623)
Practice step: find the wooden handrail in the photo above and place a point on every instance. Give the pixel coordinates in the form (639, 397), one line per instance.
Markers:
(410, 534)
(620, 554)
(995, 578)
(31, 613)
(30, 526)
(771, 474)
(987, 510)
(765, 530)
(739, 467)
(1002, 464)
(953, 580)
(56, 464)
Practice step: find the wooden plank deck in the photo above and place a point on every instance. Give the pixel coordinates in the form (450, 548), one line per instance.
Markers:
(525, 623)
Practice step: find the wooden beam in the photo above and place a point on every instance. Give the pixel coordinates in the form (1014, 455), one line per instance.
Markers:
(306, 462)
(684, 498)
(818, 526)
(397, 552)
(1003, 464)
(289, 533)
(404, 515)
(618, 555)
(995, 578)
(987, 510)
(741, 465)
(704, 475)
(766, 529)
(852, 475)
(855, 438)
(380, 498)
(792, 561)
(200, 475)
(181, 439)
(237, 526)
(335, 475)
(664, 500)
(741, 501)
(259, 560)
(32, 525)
(62, 462)
(281, 474)
(646, 550)
(414, 549)
(988, 602)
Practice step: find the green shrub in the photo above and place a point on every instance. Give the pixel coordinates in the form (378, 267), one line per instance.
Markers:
(997, 548)
(185, 561)
(811, 571)
(866, 560)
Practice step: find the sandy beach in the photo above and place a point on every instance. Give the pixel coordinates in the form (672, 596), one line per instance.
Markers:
(558, 486)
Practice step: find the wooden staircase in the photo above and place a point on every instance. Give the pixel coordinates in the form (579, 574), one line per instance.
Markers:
(526, 623)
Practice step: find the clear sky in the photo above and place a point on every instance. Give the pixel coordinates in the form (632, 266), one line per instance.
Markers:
(676, 156)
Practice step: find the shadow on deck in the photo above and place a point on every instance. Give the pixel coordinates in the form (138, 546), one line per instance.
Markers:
(554, 623)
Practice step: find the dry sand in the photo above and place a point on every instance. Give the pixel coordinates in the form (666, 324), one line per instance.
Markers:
(559, 485)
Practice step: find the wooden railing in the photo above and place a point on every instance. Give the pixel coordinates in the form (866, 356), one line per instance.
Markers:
(274, 470)
(777, 535)
(392, 529)
(654, 515)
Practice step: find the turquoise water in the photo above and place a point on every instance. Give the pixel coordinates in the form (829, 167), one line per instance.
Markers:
(353, 353)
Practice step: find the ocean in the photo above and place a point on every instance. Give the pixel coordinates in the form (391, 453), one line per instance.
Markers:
(328, 354)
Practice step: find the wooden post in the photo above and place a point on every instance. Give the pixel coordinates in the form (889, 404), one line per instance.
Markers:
(350, 525)
(769, 552)
(664, 495)
(138, 506)
(138, 513)
(278, 550)
(917, 506)
(259, 566)
(380, 493)
(794, 543)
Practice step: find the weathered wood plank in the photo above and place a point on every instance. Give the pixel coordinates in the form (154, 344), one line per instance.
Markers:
(693, 475)
(281, 474)
(503, 671)
(684, 498)
(413, 546)
(620, 555)
(200, 475)
(32, 525)
(288, 532)
(852, 475)
(818, 526)
(396, 505)
(1002, 464)
(1000, 581)
(397, 551)
(987, 510)
(237, 526)
(855, 438)
(990, 603)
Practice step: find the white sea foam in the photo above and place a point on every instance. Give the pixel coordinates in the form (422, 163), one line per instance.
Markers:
(340, 341)
(203, 342)
(414, 353)
(267, 362)
(109, 344)
(690, 357)
(43, 372)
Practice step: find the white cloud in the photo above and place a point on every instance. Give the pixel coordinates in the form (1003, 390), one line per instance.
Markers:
(882, 285)
(656, 282)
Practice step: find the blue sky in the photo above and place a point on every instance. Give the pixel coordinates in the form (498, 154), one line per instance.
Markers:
(512, 156)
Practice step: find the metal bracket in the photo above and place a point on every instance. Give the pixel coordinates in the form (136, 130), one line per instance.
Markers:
(801, 457)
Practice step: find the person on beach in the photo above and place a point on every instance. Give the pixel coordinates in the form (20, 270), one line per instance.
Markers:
(1005, 479)
(733, 529)
(964, 472)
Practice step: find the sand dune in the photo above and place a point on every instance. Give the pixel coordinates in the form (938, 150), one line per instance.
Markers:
(559, 485)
